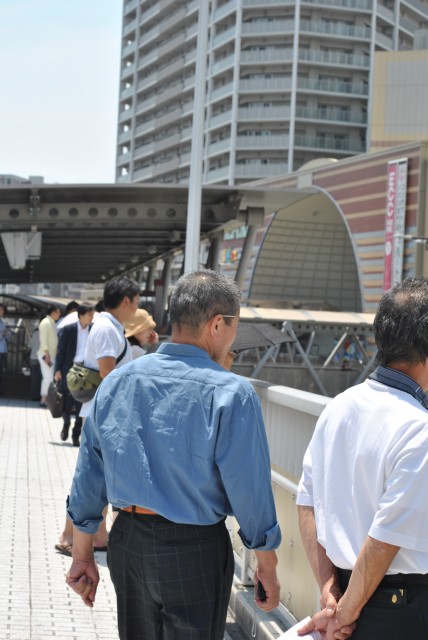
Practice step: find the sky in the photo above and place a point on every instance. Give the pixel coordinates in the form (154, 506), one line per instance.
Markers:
(59, 87)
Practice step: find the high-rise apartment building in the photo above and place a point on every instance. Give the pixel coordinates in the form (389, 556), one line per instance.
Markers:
(288, 81)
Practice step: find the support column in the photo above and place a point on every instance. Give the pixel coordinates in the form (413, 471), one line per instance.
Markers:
(193, 227)
(245, 256)
(161, 292)
(214, 252)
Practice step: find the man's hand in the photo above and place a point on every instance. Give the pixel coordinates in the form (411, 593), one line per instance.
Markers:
(57, 376)
(83, 578)
(271, 586)
(326, 622)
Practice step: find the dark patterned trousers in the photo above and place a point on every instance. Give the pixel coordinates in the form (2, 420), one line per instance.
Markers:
(172, 581)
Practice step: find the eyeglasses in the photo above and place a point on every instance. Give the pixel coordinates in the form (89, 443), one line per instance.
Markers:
(226, 316)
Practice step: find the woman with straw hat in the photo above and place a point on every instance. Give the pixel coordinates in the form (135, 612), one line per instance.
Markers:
(140, 332)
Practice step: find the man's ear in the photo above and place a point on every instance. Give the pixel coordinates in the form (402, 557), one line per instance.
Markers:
(214, 324)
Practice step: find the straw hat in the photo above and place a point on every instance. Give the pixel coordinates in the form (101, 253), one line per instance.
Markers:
(141, 320)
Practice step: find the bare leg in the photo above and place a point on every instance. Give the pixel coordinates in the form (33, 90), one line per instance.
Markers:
(101, 536)
(66, 536)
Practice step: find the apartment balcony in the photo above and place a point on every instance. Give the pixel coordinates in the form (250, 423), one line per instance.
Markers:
(221, 92)
(159, 31)
(420, 6)
(220, 119)
(189, 58)
(267, 3)
(125, 115)
(220, 146)
(408, 25)
(155, 170)
(257, 85)
(127, 71)
(222, 65)
(128, 49)
(125, 179)
(129, 27)
(129, 6)
(257, 114)
(125, 136)
(263, 28)
(170, 69)
(145, 105)
(260, 170)
(365, 5)
(126, 93)
(165, 167)
(224, 36)
(220, 173)
(269, 55)
(171, 45)
(169, 118)
(338, 30)
(358, 89)
(384, 41)
(334, 58)
(280, 141)
(149, 13)
(143, 150)
(142, 174)
(192, 32)
(225, 10)
(184, 160)
(329, 143)
(331, 115)
(124, 158)
(385, 13)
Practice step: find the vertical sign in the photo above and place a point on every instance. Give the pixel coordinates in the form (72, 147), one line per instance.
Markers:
(395, 222)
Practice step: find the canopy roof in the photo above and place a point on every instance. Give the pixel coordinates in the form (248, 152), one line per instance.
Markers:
(91, 232)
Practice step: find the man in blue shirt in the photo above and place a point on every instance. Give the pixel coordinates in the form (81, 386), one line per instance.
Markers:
(177, 442)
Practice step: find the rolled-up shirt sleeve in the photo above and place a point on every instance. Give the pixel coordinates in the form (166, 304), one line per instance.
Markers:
(243, 460)
(88, 494)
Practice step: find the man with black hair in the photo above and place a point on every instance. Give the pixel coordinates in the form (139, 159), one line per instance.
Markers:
(70, 311)
(72, 341)
(106, 349)
(177, 442)
(362, 502)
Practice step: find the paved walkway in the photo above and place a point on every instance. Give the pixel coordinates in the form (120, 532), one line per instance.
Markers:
(35, 475)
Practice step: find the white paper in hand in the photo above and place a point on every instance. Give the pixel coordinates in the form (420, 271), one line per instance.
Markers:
(292, 633)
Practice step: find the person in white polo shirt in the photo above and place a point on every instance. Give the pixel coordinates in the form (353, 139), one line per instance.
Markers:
(106, 349)
(362, 496)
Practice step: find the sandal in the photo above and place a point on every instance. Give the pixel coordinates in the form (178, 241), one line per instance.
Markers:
(65, 549)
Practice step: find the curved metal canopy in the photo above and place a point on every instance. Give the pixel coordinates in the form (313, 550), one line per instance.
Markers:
(88, 233)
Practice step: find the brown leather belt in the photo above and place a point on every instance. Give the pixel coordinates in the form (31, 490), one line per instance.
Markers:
(134, 509)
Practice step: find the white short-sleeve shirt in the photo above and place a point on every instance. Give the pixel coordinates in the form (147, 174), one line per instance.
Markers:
(106, 339)
(365, 472)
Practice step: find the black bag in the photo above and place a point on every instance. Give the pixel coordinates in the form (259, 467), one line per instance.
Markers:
(55, 399)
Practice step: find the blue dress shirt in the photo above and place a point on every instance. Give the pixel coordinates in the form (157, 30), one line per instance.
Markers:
(177, 434)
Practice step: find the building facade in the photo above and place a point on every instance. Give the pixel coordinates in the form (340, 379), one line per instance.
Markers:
(288, 81)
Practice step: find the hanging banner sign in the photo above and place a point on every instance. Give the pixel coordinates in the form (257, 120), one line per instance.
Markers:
(395, 222)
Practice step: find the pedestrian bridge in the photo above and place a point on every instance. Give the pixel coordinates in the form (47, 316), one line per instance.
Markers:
(37, 470)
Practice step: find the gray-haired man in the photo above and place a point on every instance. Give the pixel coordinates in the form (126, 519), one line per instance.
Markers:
(178, 443)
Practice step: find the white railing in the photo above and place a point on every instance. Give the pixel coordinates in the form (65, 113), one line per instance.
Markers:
(290, 416)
